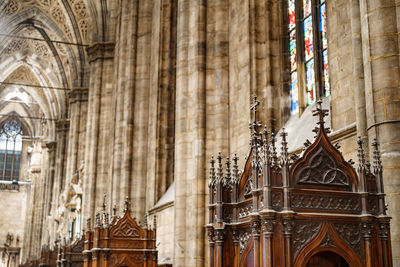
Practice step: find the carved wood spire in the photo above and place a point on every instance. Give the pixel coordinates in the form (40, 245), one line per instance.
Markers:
(284, 152)
(235, 170)
(212, 173)
(274, 158)
(127, 204)
(227, 179)
(321, 113)
(266, 151)
(377, 164)
(360, 153)
(219, 169)
(255, 124)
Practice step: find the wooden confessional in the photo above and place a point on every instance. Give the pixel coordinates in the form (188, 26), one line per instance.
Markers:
(312, 210)
(71, 255)
(48, 257)
(120, 243)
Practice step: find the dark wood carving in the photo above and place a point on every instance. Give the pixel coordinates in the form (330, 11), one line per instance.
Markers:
(71, 255)
(282, 211)
(120, 242)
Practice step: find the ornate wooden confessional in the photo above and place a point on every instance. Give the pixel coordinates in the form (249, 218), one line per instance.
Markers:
(71, 255)
(120, 243)
(315, 210)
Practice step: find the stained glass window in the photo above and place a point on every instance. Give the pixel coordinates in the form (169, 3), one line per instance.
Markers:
(10, 150)
(311, 81)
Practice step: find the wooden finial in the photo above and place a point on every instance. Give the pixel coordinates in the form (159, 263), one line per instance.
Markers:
(284, 152)
(115, 210)
(361, 156)
(219, 159)
(274, 158)
(212, 172)
(235, 170)
(104, 202)
(377, 157)
(321, 113)
(126, 204)
(255, 124)
(227, 172)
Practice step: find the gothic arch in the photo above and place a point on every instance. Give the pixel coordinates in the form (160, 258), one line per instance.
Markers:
(327, 240)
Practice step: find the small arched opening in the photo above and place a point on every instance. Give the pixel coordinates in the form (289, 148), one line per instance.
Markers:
(327, 259)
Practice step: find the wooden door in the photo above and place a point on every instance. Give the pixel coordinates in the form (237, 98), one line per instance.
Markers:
(327, 259)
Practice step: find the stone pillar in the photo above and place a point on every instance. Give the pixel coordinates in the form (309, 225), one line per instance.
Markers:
(99, 121)
(161, 134)
(189, 135)
(139, 136)
(381, 73)
(50, 149)
(76, 97)
(124, 71)
(358, 74)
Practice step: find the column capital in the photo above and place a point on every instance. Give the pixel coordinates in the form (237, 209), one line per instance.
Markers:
(100, 50)
(62, 125)
(78, 94)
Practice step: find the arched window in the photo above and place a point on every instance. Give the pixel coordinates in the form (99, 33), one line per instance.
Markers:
(309, 75)
(10, 150)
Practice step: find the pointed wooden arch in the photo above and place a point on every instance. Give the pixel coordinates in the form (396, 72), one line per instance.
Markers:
(336, 245)
(322, 156)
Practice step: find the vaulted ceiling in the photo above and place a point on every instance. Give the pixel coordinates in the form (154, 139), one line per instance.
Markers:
(42, 43)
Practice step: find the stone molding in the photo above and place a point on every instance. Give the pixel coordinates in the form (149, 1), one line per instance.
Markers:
(100, 50)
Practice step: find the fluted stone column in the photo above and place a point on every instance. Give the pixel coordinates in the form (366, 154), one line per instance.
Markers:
(99, 121)
(190, 134)
(124, 71)
(76, 97)
(161, 134)
(381, 71)
(50, 149)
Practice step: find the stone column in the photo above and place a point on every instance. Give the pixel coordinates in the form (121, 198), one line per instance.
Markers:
(358, 74)
(99, 121)
(76, 97)
(124, 71)
(139, 136)
(161, 134)
(189, 134)
(381, 73)
(50, 149)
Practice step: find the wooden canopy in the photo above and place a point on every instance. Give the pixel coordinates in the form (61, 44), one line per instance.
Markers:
(298, 211)
(121, 242)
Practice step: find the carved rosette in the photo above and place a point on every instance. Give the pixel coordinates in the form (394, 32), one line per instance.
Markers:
(327, 241)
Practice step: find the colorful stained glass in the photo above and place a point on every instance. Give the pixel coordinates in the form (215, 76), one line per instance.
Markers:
(306, 7)
(292, 15)
(308, 38)
(294, 93)
(322, 21)
(310, 82)
(327, 90)
(292, 50)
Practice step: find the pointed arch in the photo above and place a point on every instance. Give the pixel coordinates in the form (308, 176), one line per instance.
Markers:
(336, 245)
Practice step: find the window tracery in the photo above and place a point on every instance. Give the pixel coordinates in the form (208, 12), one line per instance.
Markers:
(10, 150)
(309, 73)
